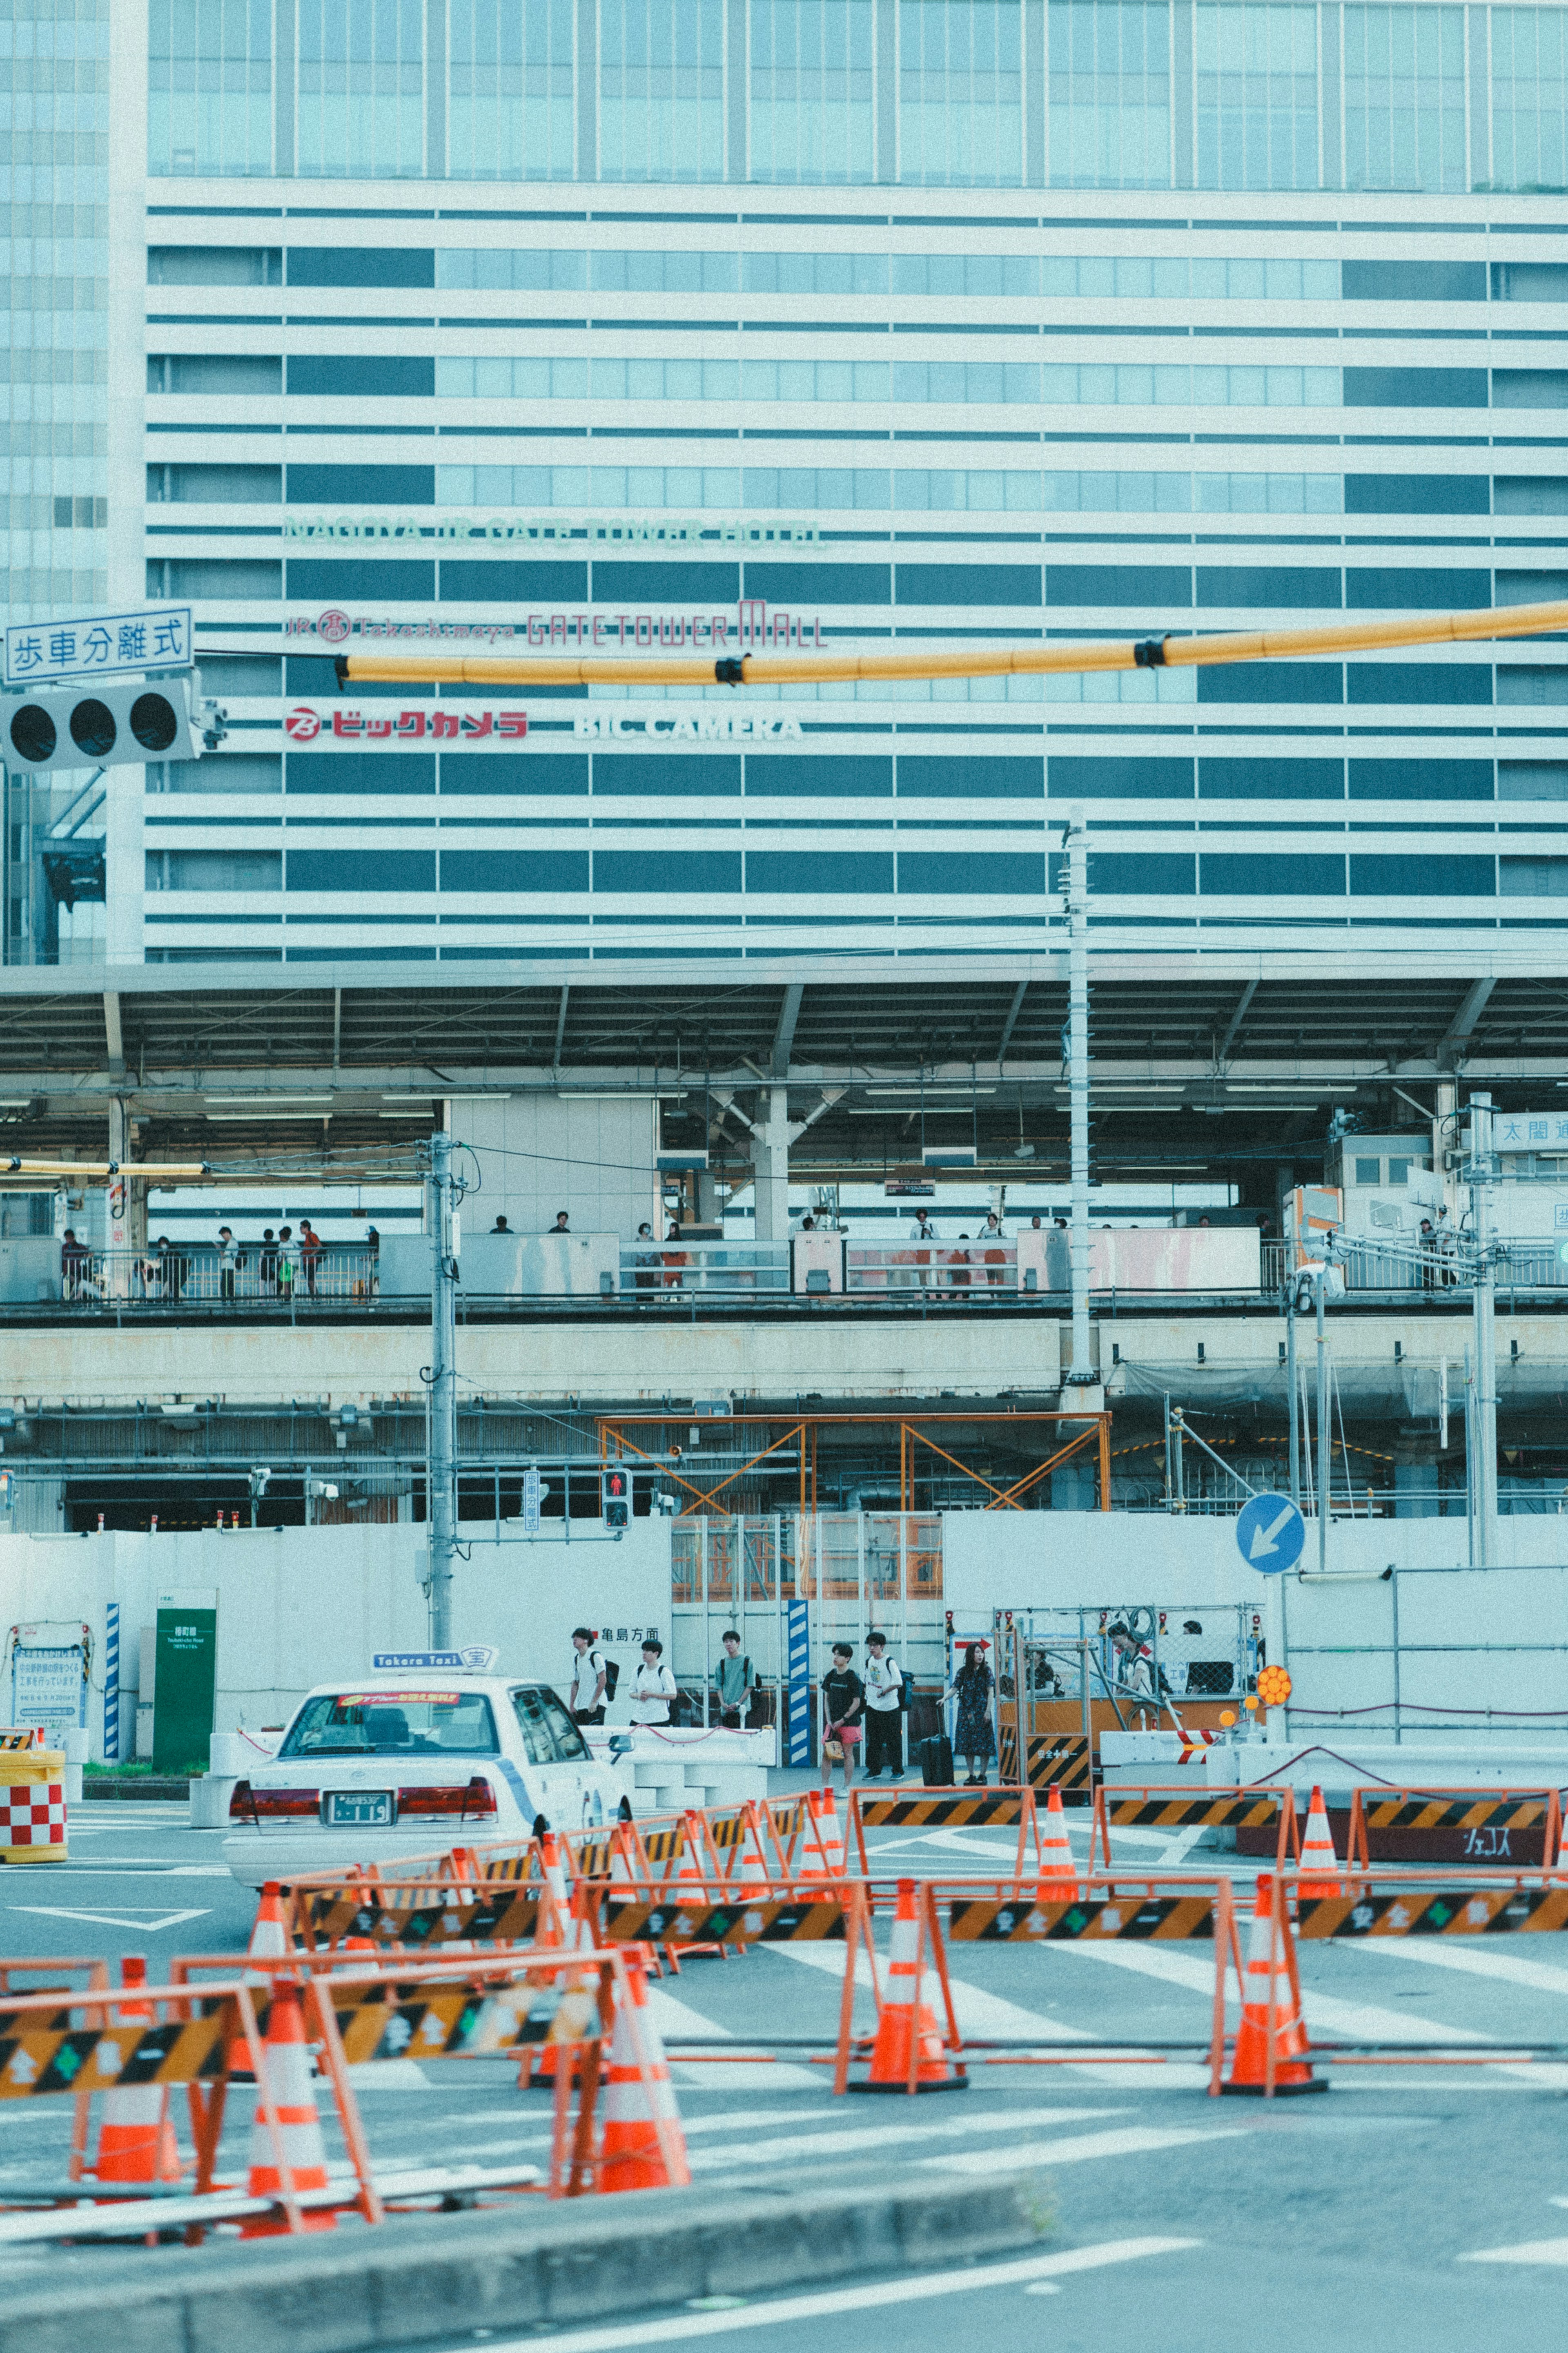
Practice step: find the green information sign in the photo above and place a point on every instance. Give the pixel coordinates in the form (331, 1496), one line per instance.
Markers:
(185, 1680)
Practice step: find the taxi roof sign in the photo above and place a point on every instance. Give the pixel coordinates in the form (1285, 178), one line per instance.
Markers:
(476, 1658)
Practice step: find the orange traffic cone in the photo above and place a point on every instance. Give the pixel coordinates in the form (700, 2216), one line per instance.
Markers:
(268, 1939)
(751, 1874)
(1319, 1863)
(1058, 1873)
(286, 2056)
(906, 2021)
(823, 1851)
(638, 2098)
(556, 1926)
(136, 2140)
(1268, 2006)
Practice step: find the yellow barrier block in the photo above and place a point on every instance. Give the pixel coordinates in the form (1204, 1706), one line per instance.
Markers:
(33, 1806)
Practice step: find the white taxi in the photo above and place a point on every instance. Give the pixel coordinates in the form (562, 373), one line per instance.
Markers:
(414, 1760)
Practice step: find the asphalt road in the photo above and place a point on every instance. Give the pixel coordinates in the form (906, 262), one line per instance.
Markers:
(1387, 2214)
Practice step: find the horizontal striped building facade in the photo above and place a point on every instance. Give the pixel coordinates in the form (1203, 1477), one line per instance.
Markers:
(734, 325)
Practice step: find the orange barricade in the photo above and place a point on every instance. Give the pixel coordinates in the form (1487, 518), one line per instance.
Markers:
(1439, 1825)
(946, 1809)
(1163, 1805)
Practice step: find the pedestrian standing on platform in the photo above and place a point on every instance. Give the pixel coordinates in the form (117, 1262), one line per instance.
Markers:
(501, 1227)
(269, 1262)
(560, 1225)
(922, 1230)
(971, 1737)
(372, 1256)
(311, 1247)
(732, 1682)
(288, 1263)
(645, 1259)
(653, 1685)
(587, 1678)
(991, 1235)
(884, 1705)
(227, 1260)
(843, 1709)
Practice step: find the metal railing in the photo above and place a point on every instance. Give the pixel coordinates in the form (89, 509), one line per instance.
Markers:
(192, 1275)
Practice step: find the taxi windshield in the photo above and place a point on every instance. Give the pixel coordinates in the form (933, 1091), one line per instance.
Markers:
(393, 1724)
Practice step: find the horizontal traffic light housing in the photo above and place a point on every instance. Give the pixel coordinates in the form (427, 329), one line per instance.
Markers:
(104, 725)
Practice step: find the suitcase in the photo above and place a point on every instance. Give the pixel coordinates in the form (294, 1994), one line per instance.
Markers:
(936, 1761)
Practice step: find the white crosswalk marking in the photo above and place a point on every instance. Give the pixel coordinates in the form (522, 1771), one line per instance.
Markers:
(1135, 2140)
(1531, 2251)
(1474, 1961)
(854, 2138)
(1362, 2021)
(674, 2018)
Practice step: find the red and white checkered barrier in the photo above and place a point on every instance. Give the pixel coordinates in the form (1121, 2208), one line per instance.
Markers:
(33, 1820)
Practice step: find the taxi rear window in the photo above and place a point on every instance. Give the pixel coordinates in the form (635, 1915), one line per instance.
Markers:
(370, 1723)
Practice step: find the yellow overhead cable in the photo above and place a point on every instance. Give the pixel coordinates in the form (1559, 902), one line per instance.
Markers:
(1120, 653)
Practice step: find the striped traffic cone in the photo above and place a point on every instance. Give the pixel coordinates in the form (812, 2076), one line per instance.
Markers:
(556, 1926)
(268, 1940)
(751, 1876)
(285, 2055)
(1058, 1873)
(136, 2140)
(823, 1852)
(1269, 2006)
(639, 2099)
(1320, 1864)
(905, 2019)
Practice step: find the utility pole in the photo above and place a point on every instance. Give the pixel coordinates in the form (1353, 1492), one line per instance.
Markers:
(1082, 1371)
(441, 1460)
(1291, 1392)
(1485, 1297)
(1323, 1423)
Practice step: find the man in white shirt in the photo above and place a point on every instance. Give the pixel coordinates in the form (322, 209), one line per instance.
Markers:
(884, 1703)
(587, 1701)
(922, 1230)
(653, 1686)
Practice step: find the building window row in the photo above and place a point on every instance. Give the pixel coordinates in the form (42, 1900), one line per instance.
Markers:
(927, 93)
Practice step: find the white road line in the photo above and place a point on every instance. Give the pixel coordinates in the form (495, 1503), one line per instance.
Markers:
(1450, 1953)
(1363, 2020)
(986, 2015)
(1135, 2140)
(915, 2288)
(151, 1923)
(890, 2136)
(674, 2018)
(1529, 2251)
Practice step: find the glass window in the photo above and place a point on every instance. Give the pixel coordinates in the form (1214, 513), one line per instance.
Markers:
(1421, 494)
(1256, 74)
(510, 79)
(515, 872)
(1529, 97)
(393, 1724)
(1110, 93)
(811, 86)
(669, 874)
(1369, 1172)
(1533, 878)
(1421, 780)
(656, 272)
(549, 1734)
(1405, 97)
(1420, 683)
(1264, 875)
(209, 88)
(1414, 281)
(1529, 388)
(347, 874)
(1531, 682)
(530, 268)
(960, 94)
(973, 874)
(1530, 494)
(1533, 780)
(1420, 387)
(1529, 282)
(1421, 878)
(1143, 873)
(360, 112)
(661, 89)
(811, 874)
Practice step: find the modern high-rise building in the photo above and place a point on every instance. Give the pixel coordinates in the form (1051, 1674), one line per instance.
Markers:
(724, 324)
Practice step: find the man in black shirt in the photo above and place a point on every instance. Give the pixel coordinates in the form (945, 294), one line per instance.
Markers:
(843, 1701)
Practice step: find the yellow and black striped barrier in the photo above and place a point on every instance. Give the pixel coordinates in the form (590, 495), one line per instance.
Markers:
(1091, 1920)
(1439, 1912)
(1056, 1762)
(636, 1916)
(1170, 1806)
(424, 1917)
(1438, 1825)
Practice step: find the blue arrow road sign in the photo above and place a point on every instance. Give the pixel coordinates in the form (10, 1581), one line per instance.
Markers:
(1270, 1532)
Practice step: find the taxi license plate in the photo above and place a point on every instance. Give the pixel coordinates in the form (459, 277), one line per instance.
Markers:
(358, 1809)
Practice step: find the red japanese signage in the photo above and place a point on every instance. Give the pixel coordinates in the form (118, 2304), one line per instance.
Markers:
(303, 725)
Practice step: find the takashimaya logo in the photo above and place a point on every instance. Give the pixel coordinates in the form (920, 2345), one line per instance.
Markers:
(332, 628)
(303, 725)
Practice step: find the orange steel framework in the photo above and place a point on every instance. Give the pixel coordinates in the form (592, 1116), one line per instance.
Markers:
(1090, 1428)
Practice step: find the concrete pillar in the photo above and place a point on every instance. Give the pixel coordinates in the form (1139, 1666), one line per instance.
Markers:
(1415, 1477)
(117, 1202)
(770, 1165)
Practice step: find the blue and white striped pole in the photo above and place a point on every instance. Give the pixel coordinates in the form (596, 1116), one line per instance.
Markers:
(111, 1684)
(799, 1750)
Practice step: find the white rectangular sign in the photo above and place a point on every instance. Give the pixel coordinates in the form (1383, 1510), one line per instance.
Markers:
(42, 653)
(48, 1687)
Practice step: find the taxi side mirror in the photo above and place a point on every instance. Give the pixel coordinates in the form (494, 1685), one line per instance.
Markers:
(620, 1743)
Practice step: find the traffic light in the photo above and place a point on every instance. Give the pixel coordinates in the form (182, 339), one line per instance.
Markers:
(615, 1498)
(102, 725)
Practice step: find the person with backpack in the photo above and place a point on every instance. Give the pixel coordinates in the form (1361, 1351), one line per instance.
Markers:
(884, 1710)
(589, 1679)
(653, 1685)
(733, 1682)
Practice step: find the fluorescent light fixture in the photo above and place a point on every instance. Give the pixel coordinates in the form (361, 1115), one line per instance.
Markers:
(267, 1101)
(15, 1103)
(621, 1094)
(958, 1087)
